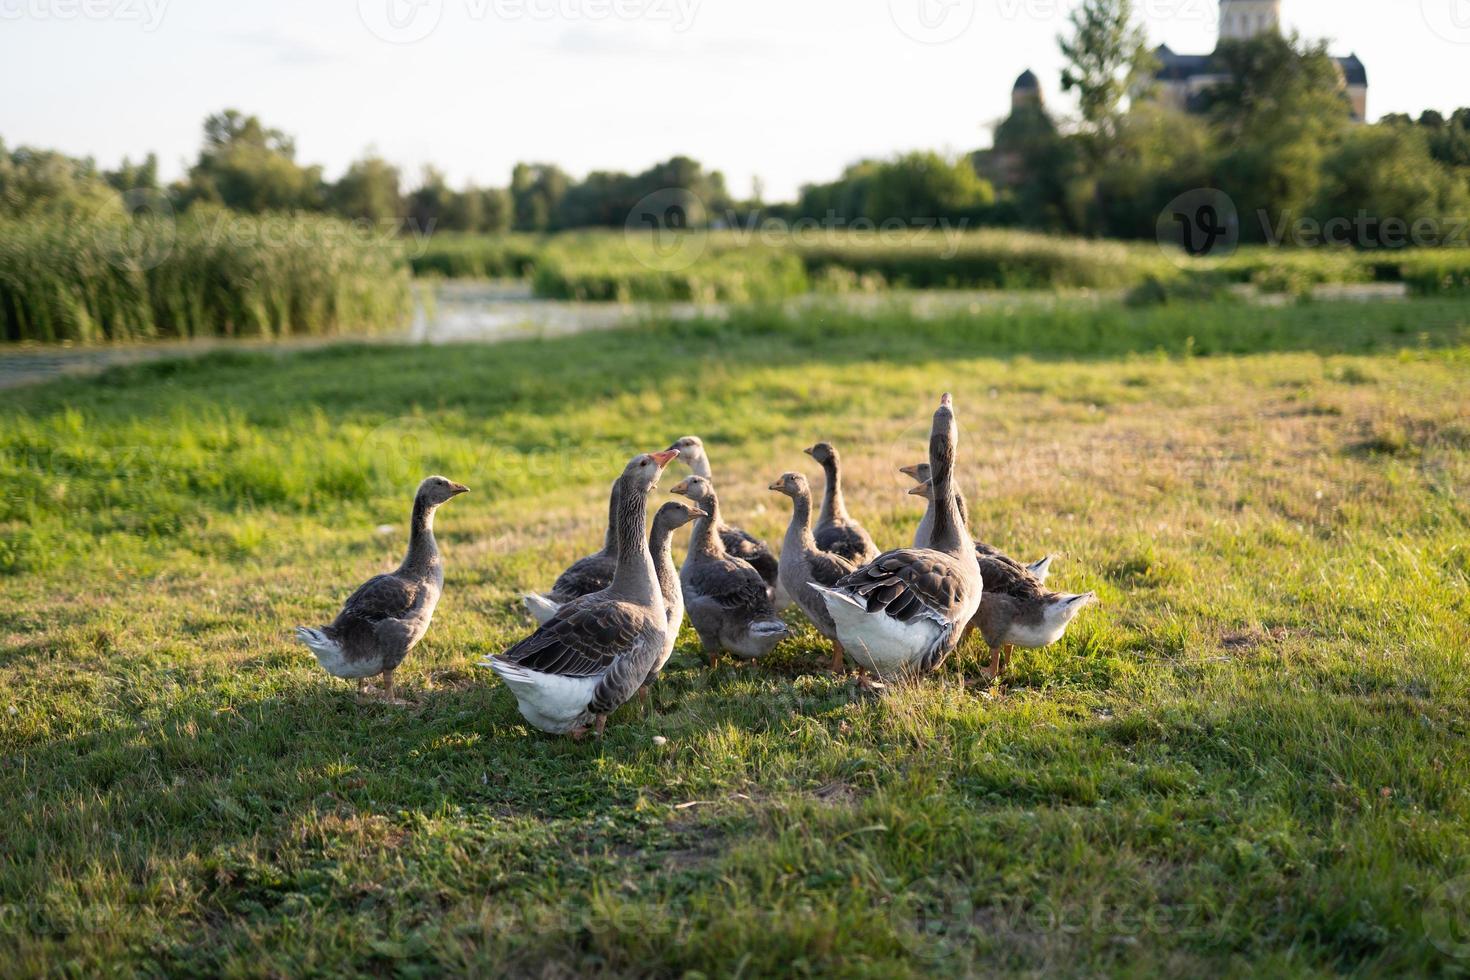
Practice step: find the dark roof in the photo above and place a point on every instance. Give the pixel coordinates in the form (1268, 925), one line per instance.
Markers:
(1178, 67)
(1181, 67)
(1027, 82)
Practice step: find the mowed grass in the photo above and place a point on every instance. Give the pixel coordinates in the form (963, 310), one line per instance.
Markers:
(1248, 760)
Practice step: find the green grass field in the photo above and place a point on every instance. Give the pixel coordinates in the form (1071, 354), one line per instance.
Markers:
(1249, 760)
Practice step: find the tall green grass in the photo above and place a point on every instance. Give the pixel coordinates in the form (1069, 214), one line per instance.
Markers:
(210, 274)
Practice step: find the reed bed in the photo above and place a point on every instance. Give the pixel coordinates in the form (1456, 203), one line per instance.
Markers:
(210, 274)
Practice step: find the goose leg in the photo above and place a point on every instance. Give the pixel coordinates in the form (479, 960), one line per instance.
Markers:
(711, 649)
(839, 659)
(388, 689)
(643, 700)
(1005, 661)
(995, 666)
(601, 724)
(362, 689)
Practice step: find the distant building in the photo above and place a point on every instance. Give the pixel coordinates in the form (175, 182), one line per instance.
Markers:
(1003, 164)
(1182, 79)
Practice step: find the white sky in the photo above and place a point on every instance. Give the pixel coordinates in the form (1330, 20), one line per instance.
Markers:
(790, 90)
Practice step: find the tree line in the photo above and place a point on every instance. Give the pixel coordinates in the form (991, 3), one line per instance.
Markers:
(1277, 137)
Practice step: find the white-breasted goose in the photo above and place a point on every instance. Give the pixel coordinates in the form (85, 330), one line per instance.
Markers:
(905, 612)
(1017, 610)
(388, 614)
(596, 651)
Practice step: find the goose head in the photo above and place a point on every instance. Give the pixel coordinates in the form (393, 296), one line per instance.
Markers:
(691, 453)
(1066, 607)
(793, 485)
(435, 490)
(642, 471)
(822, 452)
(944, 436)
(697, 489)
(675, 514)
(918, 472)
(925, 490)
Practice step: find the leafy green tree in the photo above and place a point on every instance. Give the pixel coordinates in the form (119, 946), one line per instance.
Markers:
(496, 210)
(36, 181)
(1381, 181)
(1159, 153)
(248, 167)
(536, 191)
(135, 176)
(431, 201)
(369, 191)
(1107, 60)
(926, 186)
(1277, 118)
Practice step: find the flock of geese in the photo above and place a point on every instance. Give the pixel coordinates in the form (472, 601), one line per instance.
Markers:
(608, 624)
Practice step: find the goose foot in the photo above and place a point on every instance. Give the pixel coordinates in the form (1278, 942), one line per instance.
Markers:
(578, 733)
(866, 682)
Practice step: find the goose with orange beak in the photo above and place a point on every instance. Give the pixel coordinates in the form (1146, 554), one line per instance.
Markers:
(596, 651)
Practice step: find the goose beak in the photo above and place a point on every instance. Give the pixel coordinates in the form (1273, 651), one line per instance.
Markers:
(810, 450)
(912, 472)
(945, 401)
(662, 459)
(681, 487)
(458, 488)
(696, 513)
(775, 486)
(918, 491)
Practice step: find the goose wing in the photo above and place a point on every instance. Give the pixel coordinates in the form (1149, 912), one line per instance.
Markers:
(849, 540)
(585, 576)
(380, 597)
(827, 568)
(581, 640)
(909, 583)
(732, 585)
(1005, 575)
